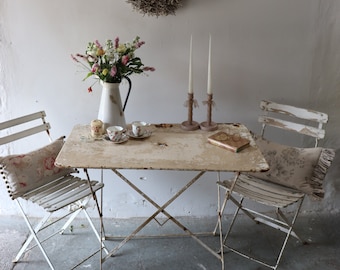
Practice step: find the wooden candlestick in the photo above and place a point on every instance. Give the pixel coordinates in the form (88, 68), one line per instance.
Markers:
(190, 124)
(209, 125)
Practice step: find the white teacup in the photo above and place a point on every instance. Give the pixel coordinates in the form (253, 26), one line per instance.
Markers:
(115, 133)
(139, 128)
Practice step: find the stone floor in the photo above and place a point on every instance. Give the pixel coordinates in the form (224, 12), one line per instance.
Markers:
(321, 231)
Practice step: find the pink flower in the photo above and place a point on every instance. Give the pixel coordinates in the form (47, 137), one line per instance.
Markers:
(49, 163)
(149, 69)
(22, 184)
(98, 44)
(116, 42)
(113, 71)
(95, 68)
(139, 44)
(125, 59)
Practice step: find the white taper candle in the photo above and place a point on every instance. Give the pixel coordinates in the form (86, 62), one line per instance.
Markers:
(209, 68)
(190, 88)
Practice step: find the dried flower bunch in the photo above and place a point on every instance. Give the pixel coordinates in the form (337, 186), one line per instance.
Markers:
(112, 61)
(156, 7)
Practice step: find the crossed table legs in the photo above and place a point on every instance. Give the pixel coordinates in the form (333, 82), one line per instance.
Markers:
(161, 209)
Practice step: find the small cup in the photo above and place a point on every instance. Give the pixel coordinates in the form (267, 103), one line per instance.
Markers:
(115, 133)
(96, 128)
(138, 128)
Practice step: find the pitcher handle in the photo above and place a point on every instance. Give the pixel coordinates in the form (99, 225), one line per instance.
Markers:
(128, 93)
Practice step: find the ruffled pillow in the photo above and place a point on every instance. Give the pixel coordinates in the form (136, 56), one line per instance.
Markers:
(303, 169)
(25, 172)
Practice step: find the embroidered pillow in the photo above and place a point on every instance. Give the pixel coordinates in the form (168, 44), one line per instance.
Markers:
(25, 172)
(300, 168)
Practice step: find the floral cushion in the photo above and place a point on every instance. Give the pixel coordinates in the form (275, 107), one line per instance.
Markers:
(25, 172)
(300, 168)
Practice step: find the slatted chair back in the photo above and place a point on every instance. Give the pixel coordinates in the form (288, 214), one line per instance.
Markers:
(275, 112)
(35, 127)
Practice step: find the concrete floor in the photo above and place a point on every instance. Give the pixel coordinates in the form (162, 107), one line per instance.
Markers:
(321, 231)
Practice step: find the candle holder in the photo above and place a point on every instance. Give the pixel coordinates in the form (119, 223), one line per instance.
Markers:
(209, 125)
(190, 124)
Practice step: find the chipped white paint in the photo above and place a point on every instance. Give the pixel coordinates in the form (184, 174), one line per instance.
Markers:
(166, 149)
(312, 128)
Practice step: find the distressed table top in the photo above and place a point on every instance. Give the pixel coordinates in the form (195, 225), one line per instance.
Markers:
(168, 148)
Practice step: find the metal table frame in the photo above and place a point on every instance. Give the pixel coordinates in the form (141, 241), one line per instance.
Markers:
(168, 148)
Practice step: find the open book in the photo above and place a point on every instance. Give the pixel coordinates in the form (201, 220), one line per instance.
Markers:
(232, 142)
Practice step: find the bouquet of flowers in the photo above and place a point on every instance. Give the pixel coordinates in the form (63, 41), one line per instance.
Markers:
(113, 61)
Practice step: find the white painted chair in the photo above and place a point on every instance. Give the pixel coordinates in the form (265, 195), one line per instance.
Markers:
(293, 174)
(33, 177)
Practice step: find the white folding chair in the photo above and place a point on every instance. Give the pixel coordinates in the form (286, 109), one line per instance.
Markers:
(293, 174)
(33, 177)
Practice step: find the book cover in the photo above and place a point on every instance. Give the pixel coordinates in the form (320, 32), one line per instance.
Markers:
(231, 142)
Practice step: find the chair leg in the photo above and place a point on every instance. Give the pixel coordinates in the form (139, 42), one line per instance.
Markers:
(239, 205)
(226, 198)
(70, 220)
(33, 236)
(95, 231)
(221, 206)
(82, 208)
(284, 218)
(80, 205)
(289, 233)
(233, 221)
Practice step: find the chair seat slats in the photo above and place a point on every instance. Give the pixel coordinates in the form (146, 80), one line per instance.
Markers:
(261, 192)
(45, 190)
(71, 198)
(65, 193)
(61, 189)
(61, 192)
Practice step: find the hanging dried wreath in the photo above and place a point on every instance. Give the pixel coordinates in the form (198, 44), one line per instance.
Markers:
(156, 7)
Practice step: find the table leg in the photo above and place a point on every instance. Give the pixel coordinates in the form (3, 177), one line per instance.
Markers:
(161, 209)
(99, 209)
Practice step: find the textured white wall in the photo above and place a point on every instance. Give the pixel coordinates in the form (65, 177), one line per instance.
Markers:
(283, 50)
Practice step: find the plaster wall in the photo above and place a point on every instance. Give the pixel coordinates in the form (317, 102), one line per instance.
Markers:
(281, 50)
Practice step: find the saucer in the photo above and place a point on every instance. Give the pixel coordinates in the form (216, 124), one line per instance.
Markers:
(146, 134)
(123, 139)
